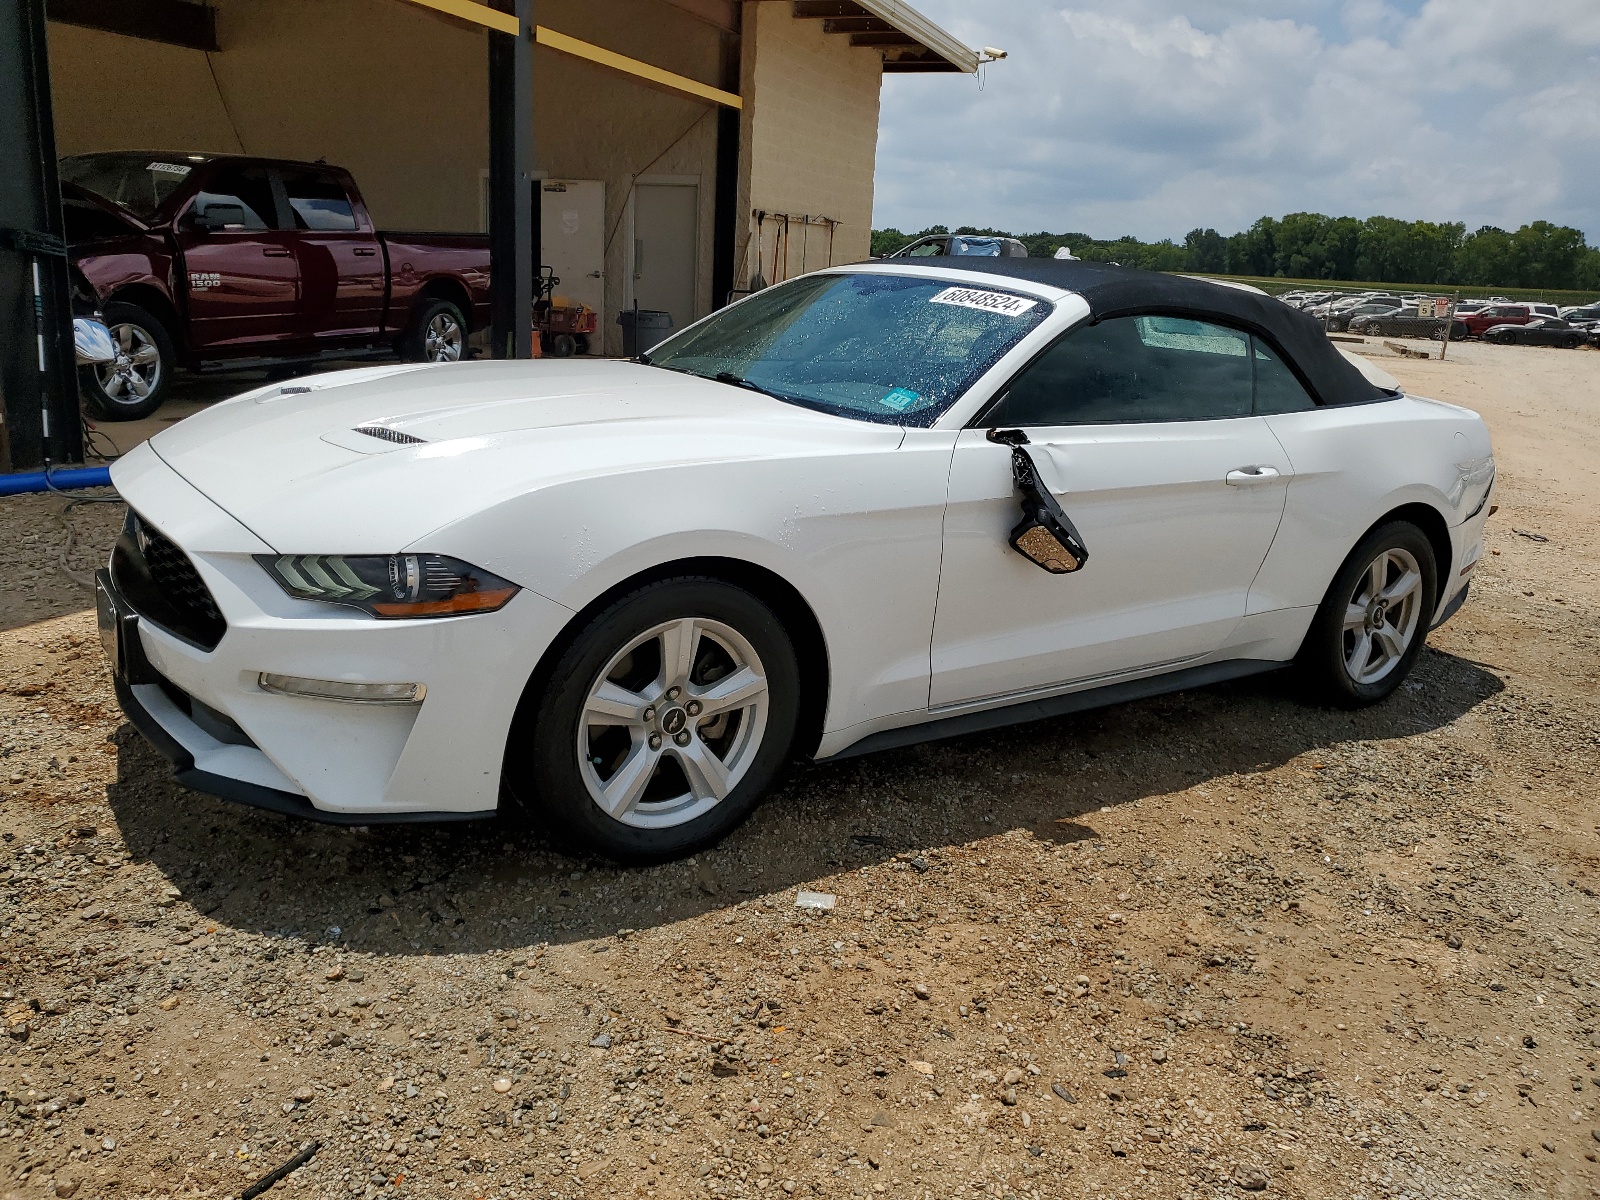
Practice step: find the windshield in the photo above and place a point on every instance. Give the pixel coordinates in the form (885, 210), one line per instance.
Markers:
(886, 348)
(140, 183)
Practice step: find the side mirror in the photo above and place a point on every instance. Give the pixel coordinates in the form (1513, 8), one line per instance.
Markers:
(215, 217)
(92, 341)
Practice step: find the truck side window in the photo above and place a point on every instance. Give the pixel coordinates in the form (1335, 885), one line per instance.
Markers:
(319, 201)
(236, 198)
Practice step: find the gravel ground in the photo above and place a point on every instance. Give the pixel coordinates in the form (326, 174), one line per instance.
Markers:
(1200, 946)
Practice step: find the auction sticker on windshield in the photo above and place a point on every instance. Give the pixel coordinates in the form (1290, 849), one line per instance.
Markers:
(995, 302)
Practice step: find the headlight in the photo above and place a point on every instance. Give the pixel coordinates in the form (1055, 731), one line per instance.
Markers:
(391, 586)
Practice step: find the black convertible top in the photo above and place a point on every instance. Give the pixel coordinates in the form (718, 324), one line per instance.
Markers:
(1123, 291)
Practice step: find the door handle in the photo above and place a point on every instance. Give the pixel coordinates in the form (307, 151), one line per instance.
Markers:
(1250, 476)
(275, 252)
(365, 252)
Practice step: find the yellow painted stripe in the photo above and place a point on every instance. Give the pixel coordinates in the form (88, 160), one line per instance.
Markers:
(632, 66)
(478, 14)
(482, 14)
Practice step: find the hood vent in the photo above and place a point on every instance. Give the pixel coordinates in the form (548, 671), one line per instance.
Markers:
(385, 434)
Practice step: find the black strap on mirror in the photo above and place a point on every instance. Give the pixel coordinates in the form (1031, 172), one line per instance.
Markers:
(1045, 536)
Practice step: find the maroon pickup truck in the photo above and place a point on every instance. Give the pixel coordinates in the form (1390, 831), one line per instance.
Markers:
(204, 261)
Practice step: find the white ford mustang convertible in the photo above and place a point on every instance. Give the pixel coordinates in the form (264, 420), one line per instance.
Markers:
(867, 507)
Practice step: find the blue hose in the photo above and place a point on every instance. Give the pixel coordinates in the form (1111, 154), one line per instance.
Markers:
(55, 481)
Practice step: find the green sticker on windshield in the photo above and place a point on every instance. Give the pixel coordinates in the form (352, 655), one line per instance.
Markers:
(900, 399)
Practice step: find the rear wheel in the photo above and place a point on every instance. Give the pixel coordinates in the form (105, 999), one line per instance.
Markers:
(1374, 620)
(664, 723)
(438, 334)
(135, 383)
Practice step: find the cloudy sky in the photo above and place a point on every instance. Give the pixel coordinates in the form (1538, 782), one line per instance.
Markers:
(1151, 117)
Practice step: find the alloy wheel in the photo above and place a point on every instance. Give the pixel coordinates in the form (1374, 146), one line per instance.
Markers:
(1382, 616)
(672, 723)
(442, 340)
(136, 370)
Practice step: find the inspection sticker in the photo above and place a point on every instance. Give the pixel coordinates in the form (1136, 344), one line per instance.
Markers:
(996, 302)
(900, 399)
(162, 168)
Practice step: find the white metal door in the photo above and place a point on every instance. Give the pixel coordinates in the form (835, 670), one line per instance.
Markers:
(573, 240)
(1175, 536)
(665, 254)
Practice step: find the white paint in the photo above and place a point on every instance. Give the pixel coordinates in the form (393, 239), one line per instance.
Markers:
(569, 477)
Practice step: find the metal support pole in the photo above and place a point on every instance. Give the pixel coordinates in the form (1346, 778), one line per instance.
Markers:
(513, 232)
(38, 380)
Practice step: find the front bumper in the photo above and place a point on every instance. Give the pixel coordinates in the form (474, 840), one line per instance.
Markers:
(345, 762)
(200, 759)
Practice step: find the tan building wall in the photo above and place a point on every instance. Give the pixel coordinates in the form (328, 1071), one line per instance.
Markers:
(809, 145)
(399, 96)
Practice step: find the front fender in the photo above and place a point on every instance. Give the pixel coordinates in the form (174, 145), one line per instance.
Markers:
(856, 535)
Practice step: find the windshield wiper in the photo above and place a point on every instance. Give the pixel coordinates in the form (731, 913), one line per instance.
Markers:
(739, 381)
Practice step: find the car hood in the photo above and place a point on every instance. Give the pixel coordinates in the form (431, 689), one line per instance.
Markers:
(288, 462)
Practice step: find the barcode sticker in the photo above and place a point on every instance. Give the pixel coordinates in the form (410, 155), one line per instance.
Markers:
(169, 168)
(995, 302)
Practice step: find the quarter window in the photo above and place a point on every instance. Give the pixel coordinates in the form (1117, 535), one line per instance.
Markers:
(1277, 389)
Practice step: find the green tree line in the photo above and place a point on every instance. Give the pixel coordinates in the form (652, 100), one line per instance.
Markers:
(1313, 246)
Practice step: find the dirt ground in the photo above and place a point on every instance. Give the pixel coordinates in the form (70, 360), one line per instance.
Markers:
(1216, 943)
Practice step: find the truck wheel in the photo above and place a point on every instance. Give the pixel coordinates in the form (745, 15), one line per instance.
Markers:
(135, 383)
(438, 334)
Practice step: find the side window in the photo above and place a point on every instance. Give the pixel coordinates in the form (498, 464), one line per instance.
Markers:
(928, 249)
(1134, 369)
(319, 201)
(1277, 390)
(236, 199)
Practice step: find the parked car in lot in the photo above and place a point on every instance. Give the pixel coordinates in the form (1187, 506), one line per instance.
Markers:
(1541, 331)
(863, 508)
(1581, 314)
(204, 261)
(1340, 321)
(1493, 315)
(1401, 322)
(957, 245)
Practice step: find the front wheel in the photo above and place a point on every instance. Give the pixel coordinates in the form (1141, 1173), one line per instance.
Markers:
(664, 723)
(1374, 620)
(134, 384)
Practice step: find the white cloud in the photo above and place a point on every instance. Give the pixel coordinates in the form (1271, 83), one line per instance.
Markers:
(1151, 117)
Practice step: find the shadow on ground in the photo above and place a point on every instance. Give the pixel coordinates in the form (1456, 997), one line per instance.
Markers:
(406, 890)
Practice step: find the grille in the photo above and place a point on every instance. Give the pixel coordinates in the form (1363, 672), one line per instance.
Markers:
(385, 434)
(160, 583)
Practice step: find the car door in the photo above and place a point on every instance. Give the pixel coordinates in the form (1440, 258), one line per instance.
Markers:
(240, 271)
(1144, 429)
(341, 262)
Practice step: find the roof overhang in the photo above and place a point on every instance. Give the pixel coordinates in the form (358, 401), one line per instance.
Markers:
(908, 40)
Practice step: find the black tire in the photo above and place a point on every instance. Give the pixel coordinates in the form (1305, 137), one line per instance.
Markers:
(560, 345)
(112, 392)
(437, 333)
(1322, 661)
(1571, 343)
(546, 770)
